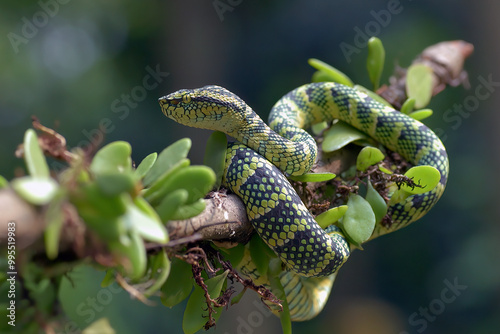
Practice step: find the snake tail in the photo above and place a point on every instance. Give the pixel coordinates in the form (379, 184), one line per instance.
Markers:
(306, 296)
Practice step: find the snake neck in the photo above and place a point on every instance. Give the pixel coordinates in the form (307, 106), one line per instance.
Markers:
(292, 149)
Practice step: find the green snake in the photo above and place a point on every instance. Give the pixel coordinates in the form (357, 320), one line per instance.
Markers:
(257, 162)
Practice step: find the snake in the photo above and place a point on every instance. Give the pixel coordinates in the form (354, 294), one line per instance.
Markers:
(259, 161)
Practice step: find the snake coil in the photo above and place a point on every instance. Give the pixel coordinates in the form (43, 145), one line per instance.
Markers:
(256, 162)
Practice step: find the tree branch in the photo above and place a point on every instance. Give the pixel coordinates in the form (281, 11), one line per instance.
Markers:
(224, 219)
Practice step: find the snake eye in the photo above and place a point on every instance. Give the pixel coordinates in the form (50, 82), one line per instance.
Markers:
(186, 99)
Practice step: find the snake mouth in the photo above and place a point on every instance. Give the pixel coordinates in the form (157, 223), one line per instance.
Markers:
(162, 101)
(164, 104)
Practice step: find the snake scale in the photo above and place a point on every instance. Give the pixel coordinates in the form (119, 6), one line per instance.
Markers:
(256, 165)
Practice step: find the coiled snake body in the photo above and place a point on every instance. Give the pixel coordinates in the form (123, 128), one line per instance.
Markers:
(256, 163)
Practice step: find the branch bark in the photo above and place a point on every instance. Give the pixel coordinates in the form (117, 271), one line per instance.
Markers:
(224, 220)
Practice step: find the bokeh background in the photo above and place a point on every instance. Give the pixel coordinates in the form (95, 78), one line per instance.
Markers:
(78, 65)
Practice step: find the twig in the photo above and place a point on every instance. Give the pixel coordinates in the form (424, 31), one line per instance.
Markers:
(261, 290)
(132, 291)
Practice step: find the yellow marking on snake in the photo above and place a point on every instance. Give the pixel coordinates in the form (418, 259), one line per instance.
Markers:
(255, 165)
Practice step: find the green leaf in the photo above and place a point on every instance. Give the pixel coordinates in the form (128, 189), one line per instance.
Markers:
(333, 74)
(156, 191)
(146, 165)
(368, 156)
(385, 170)
(234, 254)
(331, 216)
(359, 220)
(169, 157)
(398, 196)
(108, 279)
(236, 299)
(375, 61)
(91, 201)
(339, 135)
(3, 182)
(189, 210)
(197, 180)
(33, 156)
(320, 76)
(318, 128)
(107, 229)
(115, 183)
(43, 293)
(146, 208)
(377, 202)
(55, 218)
(100, 326)
(259, 252)
(408, 106)
(36, 190)
(426, 176)
(170, 203)
(313, 177)
(131, 254)
(148, 227)
(421, 114)
(215, 155)
(112, 158)
(160, 270)
(373, 95)
(279, 292)
(179, 283)
(195, 313)
(419, 84)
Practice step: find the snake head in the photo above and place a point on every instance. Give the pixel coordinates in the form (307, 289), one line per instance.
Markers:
(177, 105)
(210, 107)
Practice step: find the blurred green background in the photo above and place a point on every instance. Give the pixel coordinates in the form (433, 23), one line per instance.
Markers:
(80, 65)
